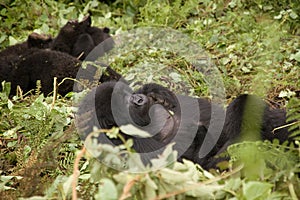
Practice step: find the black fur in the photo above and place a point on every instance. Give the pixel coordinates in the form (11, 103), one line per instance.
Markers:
(251, 118)
(23, 64)
(10, 57)
(153, 108)
(80, 38)
(247, 117)
(44, 65)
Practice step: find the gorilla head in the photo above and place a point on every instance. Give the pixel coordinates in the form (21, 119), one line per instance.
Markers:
(79, 38)
(116, 105)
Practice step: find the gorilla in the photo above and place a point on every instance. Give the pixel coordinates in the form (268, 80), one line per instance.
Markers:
(10, 57)
(44, 65)
(80, 38)
(43, 58)
(168, 117)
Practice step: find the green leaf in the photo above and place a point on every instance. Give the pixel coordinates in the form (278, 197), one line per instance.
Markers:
(107, 190)
(129, 129)
(293, 15)
(295, 56)
(6, 87)
(255, 190)
(175, 76)
(7, 178)
(85, 176)
(67, 185)
(2, 38)
(173, 177)
(12, 40)
(10, 104)
(205, 191)
(286, 93)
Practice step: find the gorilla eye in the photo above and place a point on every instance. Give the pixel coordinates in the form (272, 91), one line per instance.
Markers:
(140, 101)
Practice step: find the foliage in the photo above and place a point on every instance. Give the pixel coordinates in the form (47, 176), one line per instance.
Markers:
(33, 135)
(294, 116)
(255, 46)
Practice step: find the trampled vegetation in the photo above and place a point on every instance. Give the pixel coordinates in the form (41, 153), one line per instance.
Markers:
(255, 45)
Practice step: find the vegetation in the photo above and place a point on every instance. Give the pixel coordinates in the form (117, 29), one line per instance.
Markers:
(255, 47)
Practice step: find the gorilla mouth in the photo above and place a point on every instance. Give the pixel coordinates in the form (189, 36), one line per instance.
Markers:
(138, 99)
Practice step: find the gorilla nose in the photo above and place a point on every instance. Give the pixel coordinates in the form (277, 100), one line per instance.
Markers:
(138, 99)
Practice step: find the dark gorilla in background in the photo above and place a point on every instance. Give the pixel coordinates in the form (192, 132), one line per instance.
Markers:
(44, 65)
(80, 38)
(11, 56)
(142, 111)
(25, 63)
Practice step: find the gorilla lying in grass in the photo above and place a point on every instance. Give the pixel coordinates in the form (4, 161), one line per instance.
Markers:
(10, 57)
(175, 118)
(43, 58)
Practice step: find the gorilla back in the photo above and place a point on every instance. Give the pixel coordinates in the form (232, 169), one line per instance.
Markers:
(250, 118)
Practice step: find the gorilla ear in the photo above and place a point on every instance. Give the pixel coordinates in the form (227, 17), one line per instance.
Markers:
(106, 30)
(87, 20)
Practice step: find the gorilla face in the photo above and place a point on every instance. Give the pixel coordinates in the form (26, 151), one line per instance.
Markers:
(152, 116)
(117, 105)
(113, 105)
(139, 106)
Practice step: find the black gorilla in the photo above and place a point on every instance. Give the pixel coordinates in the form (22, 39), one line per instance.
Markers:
(25, 63)
(10, 57)
(34, 40)
(44, 65)
(209, 122)
(173, 119)
(155, 109)
(80, 38)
